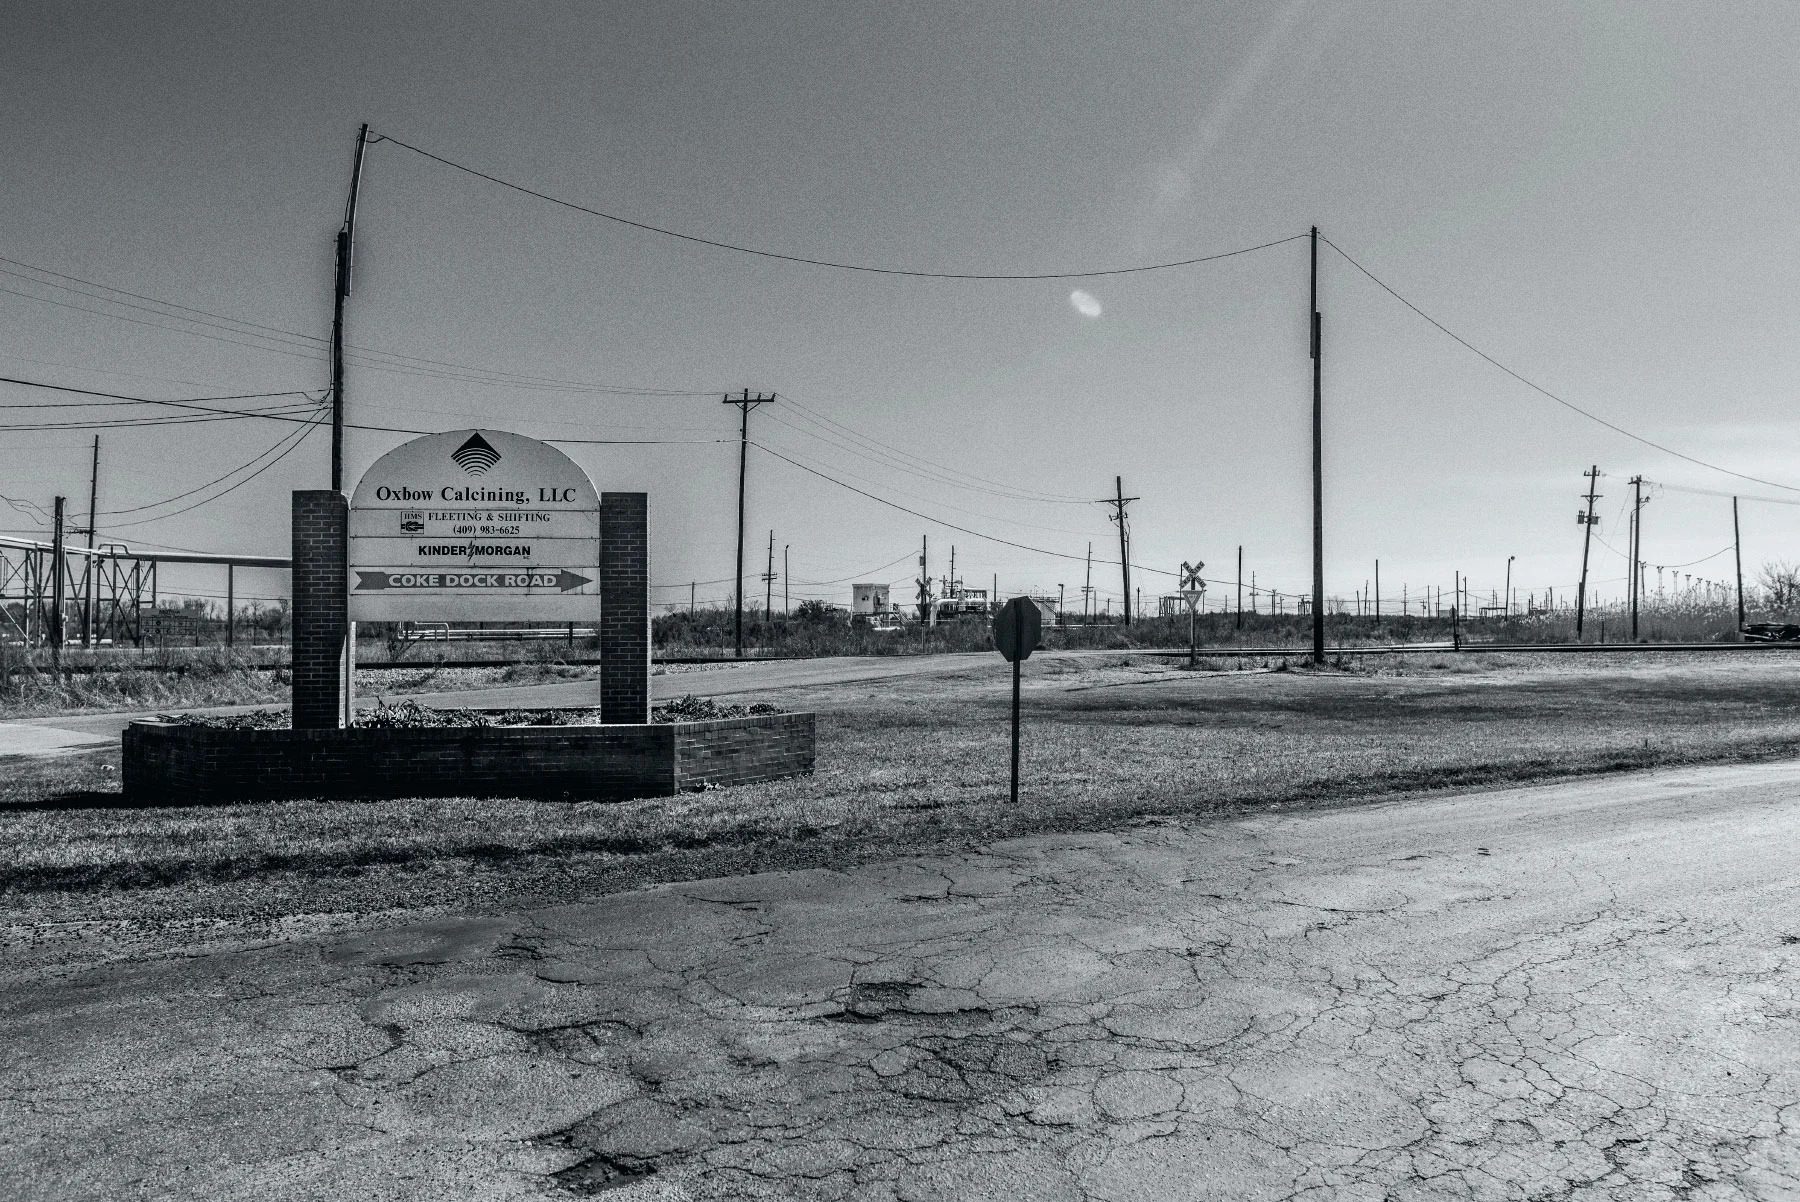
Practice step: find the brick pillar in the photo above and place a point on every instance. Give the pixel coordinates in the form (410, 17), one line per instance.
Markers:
(321, 606)
(624, 607)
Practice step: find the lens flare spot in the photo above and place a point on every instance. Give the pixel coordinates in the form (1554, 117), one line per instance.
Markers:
(1085, 303)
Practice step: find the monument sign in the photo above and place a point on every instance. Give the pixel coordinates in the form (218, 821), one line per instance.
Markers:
(474, 525)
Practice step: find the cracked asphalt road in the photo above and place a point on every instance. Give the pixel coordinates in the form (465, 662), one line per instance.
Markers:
(1577, 991)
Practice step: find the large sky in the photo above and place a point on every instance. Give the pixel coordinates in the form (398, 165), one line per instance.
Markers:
(1598, 195)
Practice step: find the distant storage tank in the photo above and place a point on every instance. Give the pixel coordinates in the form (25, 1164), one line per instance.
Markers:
(868, 598)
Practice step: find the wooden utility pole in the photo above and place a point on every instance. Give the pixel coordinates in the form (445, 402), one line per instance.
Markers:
(346, 251)
(745, 404)
(87, 604)
(1240, 588)
(1377, 592)
(926, 609)
(1455, 612)
(769, 580)
(1637, 546)
(1119, 501)
(57, 575)
(1737, 554)
(1087, 588)
(1318, 461)
(1587, 521)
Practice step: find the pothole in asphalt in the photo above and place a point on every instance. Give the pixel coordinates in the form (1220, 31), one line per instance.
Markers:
(870, 1002)
(598, 1174)
(947, 1069)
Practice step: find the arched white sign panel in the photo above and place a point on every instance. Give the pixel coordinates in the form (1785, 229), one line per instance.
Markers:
(474, 525)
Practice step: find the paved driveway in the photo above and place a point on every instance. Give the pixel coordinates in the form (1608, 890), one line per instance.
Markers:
(1588, 990)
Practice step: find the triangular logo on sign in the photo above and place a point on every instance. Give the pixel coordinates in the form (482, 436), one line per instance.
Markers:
(475, 456)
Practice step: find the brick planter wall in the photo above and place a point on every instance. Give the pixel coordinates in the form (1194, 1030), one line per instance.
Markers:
(165, 763)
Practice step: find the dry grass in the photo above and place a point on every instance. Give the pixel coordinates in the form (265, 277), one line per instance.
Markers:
(223, 682)
(903, 765)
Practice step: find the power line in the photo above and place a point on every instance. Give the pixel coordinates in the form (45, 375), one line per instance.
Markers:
(199, 488)
(30, 509)
(876, 443)
(993, 538)
(302, 345)
(246, 396)
(226, 414)
(1539, 388)
(298, 437)
(278, 413)
(969, 512)
(834, 264)
(895, 465)
(1713, 492)
(255, 346)
(1690, 563)
(858, 575)
(198, 403)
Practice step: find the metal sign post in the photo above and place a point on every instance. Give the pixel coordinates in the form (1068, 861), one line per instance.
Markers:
(1193, 591)
(1017, 628)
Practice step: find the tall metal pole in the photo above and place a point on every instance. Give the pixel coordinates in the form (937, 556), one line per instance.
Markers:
(1737, 553)
(346, 251)
(1377, 592)
(57, 575)
(784, 578)
(1240, 588)
(1508, 598)
(87, 606)
(1318, 462)
(1637, 546)
(1587, 537)
(1015, 731)
(231, 605)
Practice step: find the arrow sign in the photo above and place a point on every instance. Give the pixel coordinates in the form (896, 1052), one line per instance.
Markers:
(561, 579)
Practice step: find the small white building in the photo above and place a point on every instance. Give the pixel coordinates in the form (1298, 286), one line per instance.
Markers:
(869, 599)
